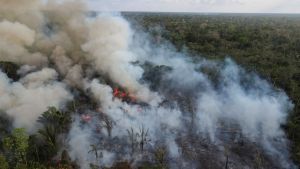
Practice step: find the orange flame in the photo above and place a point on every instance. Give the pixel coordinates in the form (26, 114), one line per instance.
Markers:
(123, 95)
(116, 92)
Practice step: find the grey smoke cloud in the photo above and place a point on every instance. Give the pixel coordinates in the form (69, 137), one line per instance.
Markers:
(64, 51)
(26, 100)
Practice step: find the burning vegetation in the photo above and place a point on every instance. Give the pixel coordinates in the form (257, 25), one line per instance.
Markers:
(62, 106)
(124, 96)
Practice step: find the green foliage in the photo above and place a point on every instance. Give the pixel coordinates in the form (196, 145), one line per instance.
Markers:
(3, 162)
(56, 119)
(5, 127)
(48, 135)
(45, 144)
(17, 145)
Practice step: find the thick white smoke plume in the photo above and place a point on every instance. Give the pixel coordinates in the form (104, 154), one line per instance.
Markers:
(27, 99)
(146, 95)
(108, 47)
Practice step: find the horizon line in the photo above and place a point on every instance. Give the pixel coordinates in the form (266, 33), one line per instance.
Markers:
(197, 12)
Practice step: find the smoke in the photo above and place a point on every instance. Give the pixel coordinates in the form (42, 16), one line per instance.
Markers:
(166, 98)
(26, 12)
(17, 36)
(108, 45)
(80, 138)
(27, 99)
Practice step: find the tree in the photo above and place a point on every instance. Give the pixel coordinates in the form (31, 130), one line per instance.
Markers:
(3, 162)
(132, 139)
(49, 137)
(17, 145)
(45, 144)
(58, 119)
(143, 137)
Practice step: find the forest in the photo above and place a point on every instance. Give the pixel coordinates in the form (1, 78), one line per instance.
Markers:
(267, 45)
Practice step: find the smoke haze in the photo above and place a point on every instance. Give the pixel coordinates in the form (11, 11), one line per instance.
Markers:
(62, 51)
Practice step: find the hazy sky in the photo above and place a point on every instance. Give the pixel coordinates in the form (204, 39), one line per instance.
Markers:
(243, 6)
